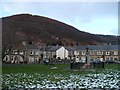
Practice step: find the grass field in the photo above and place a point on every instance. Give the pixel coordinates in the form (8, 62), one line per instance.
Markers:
(41, 68)
(39, 76)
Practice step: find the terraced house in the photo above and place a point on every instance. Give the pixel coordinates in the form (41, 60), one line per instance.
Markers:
(33, 54)
(101, 52)
(23, 53)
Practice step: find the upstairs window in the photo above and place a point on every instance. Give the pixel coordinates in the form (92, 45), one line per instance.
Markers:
(115, 52)
(76, 52)
(100, 53)
(92, 52)
(37, 52)
(31, 52)
(83, 53)
(107, 53)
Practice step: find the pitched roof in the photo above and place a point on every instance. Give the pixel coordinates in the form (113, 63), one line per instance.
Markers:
(31, 46)
(45, 48)
(105, 47)
(97, 47)
(70, 48)
(54, 48)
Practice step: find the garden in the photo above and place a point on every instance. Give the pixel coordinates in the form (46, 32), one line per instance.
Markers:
(59, 76)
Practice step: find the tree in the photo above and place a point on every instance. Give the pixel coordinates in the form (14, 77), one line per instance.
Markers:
(70, 56)
(54, 56)
(59, 42)
(77, 43)
(41, 56)
(30, 42)
(71, 44)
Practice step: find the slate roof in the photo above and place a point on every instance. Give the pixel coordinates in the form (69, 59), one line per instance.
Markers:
(54, 48)
(45, 48)
(97, 47)
(81, 47)
(70, 48)
(32, 46)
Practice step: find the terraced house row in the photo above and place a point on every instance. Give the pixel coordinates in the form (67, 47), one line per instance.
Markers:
(33, 54)
(101, 52)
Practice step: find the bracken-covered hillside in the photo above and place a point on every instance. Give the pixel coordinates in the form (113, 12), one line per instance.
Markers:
(45, 31)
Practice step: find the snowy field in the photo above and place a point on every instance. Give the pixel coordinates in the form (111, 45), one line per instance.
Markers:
(105, 79)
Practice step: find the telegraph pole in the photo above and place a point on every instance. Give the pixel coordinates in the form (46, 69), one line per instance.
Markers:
(87, 55)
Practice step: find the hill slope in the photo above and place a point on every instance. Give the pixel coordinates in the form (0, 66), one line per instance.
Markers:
(42, 30)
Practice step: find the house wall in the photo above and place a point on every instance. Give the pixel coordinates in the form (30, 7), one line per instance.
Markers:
(13, 58)
(31, 59)
(6, 58)
(32, 55)
(62, 53)
(97, 54)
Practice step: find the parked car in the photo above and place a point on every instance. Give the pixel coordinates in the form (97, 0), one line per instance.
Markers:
(96, 61)
(46, 61)
(83, 61)
(109, 61)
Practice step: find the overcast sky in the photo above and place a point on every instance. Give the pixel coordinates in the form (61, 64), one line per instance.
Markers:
(92, 17)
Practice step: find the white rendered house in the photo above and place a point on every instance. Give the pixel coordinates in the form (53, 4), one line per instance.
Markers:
(60, 52)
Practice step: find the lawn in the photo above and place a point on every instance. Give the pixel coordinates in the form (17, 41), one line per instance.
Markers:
(26, 76)
(41, 68)
(34, 68)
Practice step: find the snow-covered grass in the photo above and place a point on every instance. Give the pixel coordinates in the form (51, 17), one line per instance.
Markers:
(105, 79)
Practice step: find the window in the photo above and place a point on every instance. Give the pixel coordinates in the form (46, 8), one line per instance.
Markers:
(92, 53)
(36, 52)
(83, 53)
(6, 51)
(76, 52)
(107, 58)
(37, 59)
(100, 53)
(31, 52)
(107, 53)
(115, 52)
(115, 58)
(15, 52)
(92, 58)
(12, 51)
(12, 57)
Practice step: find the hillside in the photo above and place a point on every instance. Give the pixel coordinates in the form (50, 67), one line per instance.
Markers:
(45, 31)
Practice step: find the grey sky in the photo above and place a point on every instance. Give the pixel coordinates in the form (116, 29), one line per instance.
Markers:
(93, 17)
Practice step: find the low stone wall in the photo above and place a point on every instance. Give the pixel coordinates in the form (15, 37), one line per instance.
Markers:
(75, 65)
(98, 64)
